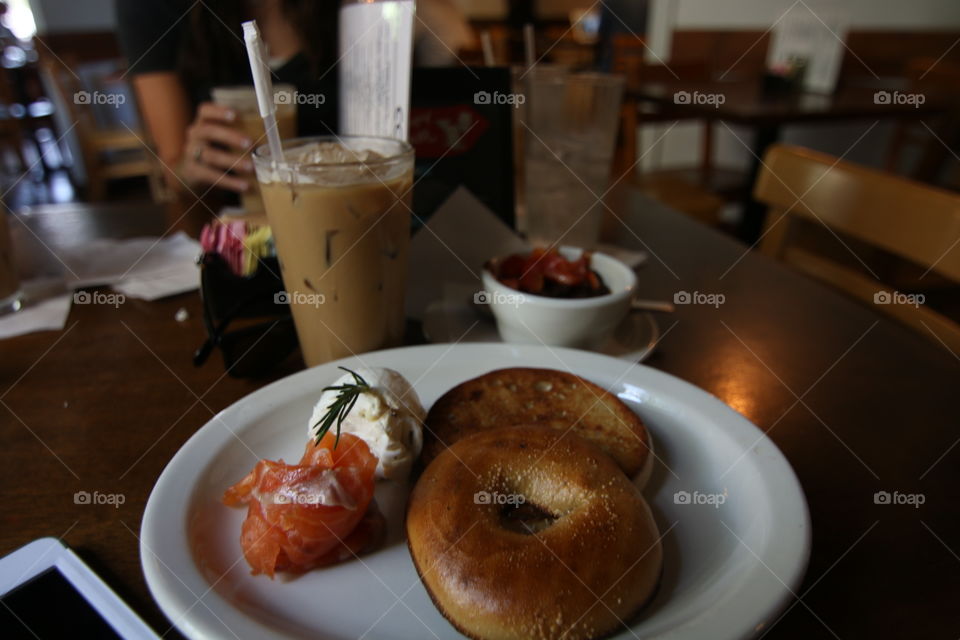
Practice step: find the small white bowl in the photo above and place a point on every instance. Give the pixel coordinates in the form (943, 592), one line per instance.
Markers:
(582, 323)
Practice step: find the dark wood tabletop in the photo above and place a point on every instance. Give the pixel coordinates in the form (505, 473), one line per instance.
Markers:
(857, 403)
(746, 103)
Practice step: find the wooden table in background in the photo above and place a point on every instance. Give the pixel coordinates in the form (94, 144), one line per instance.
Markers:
(857, 403)
(746, 104)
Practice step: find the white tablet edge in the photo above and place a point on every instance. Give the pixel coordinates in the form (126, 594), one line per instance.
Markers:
(35, 558)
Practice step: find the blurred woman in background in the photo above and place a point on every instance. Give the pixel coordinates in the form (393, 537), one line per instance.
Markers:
(178, 51)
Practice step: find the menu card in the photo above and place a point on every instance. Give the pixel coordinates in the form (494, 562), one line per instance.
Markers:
(376, 52)
(815, 32)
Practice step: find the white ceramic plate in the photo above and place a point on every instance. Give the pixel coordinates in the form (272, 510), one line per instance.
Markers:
(447, 321)
(728, 568)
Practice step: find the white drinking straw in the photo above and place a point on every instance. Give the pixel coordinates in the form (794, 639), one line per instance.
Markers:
(487, 46)
(264, 87)
(528, 44)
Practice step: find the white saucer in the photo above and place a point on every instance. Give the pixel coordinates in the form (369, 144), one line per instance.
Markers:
(449, 321)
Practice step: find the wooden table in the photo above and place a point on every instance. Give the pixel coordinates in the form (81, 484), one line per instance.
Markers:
(746, 104)
(857, 403)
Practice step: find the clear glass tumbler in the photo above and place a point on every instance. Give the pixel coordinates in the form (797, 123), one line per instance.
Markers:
(243, 100)
(570, 135)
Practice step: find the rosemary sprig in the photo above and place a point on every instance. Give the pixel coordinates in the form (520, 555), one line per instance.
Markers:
(347, 395)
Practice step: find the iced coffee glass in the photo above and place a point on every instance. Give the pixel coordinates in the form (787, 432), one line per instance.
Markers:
(339, 210)
(243, 100)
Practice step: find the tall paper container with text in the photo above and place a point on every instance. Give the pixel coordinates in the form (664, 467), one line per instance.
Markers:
(376, 40)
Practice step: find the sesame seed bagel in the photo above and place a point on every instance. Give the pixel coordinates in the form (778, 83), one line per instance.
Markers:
(541, 396)
(525, 532)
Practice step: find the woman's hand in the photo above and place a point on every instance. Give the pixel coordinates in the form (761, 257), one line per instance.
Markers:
(214, 151)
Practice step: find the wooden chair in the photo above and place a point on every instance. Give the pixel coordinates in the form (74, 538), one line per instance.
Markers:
(727, 54)
(704, 55)
(871, 53)
(701, 189)
(910, 220)
(689, 194)
(109, 153)
(930, 140)
(11, 129)
(628, 52)
(24, 112)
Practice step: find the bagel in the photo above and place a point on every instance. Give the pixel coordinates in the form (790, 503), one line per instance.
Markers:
(583, 558)
(543, 396)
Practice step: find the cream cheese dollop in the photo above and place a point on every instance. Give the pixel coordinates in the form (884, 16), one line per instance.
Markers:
(388, 417)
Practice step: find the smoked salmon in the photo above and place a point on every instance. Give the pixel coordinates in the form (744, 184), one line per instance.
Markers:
(310, 514)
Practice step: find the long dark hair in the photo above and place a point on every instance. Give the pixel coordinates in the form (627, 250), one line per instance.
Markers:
(213, 50)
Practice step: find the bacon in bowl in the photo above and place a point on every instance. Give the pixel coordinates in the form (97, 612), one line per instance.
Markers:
(546, 272)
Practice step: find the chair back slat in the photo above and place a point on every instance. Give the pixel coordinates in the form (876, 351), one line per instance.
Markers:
(906, 218)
